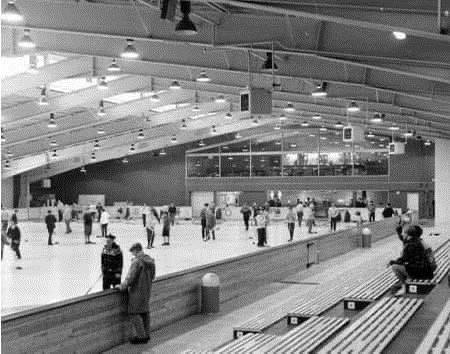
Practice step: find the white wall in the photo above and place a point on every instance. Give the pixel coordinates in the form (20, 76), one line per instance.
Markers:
(442, 182)
(7, 192)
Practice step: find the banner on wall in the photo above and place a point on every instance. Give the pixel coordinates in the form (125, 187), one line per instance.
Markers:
(91, 199)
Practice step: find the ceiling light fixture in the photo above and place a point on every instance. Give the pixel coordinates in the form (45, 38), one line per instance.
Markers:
(83, 169)
(323, 138)
(125, 160)
(370, 134)
(394, 127)
(289, 108)
(93, 158)
(175, 85)
(185, 26)
(43, 101)
(255, 121)
(323, 129)
(201, 143)
(102, 84)
(52, 123)
(353, 107)
(130, 51)
(9, 154)
(53, 143)
(377, 118)
(316, 116)
(196, 108)
(155, 98)
(11, 13)
(141, 134)
(283, 117)
(203, 77)
(101, 109)
(173, 139)
(269, 64)
(162, 152)
(54, 154)
(408, 134)
(238, 136)
(339, 125)
(7, 165)
(228, 115)
(132, 149)
(220, 99)
(26, 41)
(277, 127)
(183, 124)
(100, 131)
(113, 67)
(3, 137)
(96, 145)
(427, 142)
(399, 35)
(305, 124)
(320, 90)
(213, 130)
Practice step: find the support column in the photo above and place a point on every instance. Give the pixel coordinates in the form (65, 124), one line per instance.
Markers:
(24, 194)
(442, 182)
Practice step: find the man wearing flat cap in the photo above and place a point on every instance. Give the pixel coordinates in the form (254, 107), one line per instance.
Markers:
(112, 262)
(138, 283)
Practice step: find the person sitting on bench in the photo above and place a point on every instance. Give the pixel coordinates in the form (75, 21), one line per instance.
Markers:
(413, 263)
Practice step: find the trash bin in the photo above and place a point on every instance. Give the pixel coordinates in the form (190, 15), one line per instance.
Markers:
(366, 238)
(210, 293)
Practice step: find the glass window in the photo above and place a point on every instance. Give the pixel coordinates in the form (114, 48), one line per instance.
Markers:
(266, 165)
(371, 163)
(235, 165)
(203, 166)
(300, 164)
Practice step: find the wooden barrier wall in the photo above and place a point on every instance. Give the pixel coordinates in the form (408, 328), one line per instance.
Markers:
(97, 322)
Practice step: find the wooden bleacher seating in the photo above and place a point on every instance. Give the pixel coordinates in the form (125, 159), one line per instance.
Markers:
(377, 286)
(306, 337)
(375, 329)
(250, 343)
(419, 286)
(437, 340)
(319, 304)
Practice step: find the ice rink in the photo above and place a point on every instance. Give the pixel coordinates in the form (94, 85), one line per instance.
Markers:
(69, 269)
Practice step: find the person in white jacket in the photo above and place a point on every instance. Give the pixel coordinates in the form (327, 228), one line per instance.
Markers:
(104, 221)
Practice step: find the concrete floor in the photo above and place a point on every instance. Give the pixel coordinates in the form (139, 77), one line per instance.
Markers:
(69, 269)
(206, 332)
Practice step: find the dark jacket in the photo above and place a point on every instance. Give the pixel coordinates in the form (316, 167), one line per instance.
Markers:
(112, 259)
(87, 218)
(414, 259)
(172, 210)
(388, 212)
(14, 234)
(246, 212)
(50, 220)
(139, 283)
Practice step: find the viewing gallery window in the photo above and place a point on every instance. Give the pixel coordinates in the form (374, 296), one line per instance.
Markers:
(305, 153)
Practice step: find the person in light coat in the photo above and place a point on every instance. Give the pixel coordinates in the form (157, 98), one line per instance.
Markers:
(104, 221)
(138, 284)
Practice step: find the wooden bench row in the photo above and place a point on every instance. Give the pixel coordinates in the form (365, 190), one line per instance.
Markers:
(437, 340)
(376, 287)
(375, 329)
(302, 339)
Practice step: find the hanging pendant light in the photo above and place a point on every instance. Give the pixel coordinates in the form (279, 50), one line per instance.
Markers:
(305, 124)
(162, 152)
(427, 142)
(93, 157)
(203, 77)
(196, 108)
(399, 35)
(185, 26)
(113, 67)
(130, 51)
(43, 101)
(228, 115)
(238, 136)
(323, 129)
(255, 121)
(213, 130)
(52, 123)
(201, 143)
(141, 134)
(54, 154)
(11, 13)
(100, 131)
(9, 154)
(183, 124)
(339, 125)
(132, 149)
(53, 143)
(289, 108)
(220, 99)
(277, 127)
(353, 107)
(370, 134)
(83, 169)
(173, 139)
(175, 85)
(101, 109)
(408, 134)
(3, 137)
(102, 84)
(125, 160)
(155, 98)
(283, 117)
(7, 165)
(26, 41)
(377, 118)
(320, 90)
(316, 116)
(96, 145)
(394, 127)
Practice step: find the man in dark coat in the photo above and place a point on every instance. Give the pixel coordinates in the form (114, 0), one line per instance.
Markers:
(246, 212)
(88, 219)
(138, 282)
(14, 234)
(112, 262)
(50, 221)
